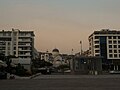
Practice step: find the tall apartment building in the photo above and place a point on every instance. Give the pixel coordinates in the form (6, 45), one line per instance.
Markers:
(18, 43)
(106, 43)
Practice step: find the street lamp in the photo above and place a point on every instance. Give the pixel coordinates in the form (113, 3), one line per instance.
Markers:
(72, 52)
(81, 47)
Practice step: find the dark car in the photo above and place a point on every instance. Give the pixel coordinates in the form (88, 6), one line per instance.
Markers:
(44, 70)
(3, 75)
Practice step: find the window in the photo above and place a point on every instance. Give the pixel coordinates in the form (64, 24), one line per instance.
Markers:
(114, 37)
(115, 46)
(14, 48)
(110, 42)
(8, 43)
(89, 48)
(8, 48)
(118, 37)
(109, 37)
(90, 52)
(4, 34)
(97, 55)
(110, 46)
(96, 42)
(115, 42)
(115, 55)
(110, 51)
(110, 55)
(119, 51)
(115, 51)
(118, 46)
(14, 53)
(90, 44)
(96, 51)
(118, 42)
(9, 34)
(96, 37)
(96, 46)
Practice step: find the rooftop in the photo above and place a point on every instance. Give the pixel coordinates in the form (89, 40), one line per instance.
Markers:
(105, 31)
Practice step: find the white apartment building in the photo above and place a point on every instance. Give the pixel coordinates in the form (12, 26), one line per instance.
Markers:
(18, 43)
(106, 43)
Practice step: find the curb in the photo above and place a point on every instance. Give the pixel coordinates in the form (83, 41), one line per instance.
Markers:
(35, 75)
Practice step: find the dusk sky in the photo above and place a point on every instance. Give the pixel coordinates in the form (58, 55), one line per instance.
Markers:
(60, 23)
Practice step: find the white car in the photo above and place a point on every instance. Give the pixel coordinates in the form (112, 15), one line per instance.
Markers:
(114, 72)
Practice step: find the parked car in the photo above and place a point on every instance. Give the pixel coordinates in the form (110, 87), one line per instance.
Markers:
(3, 75)
(114, 72)
(44, 70)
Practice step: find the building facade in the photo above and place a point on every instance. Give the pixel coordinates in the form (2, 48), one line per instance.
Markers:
(86, 65)
(19, 44)
(106, 43)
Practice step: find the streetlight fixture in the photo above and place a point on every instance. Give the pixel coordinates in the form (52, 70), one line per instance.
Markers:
(72, 52)
(81, 47)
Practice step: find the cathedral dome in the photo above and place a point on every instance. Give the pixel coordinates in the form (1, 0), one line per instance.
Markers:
(55, 50)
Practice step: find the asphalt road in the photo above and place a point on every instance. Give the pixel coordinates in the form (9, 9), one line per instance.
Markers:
(64, 82)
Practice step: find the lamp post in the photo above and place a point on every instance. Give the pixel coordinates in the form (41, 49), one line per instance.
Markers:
(72, 52)
(81, 47)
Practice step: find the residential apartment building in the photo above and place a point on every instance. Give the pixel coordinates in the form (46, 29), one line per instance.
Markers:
(19, 44)
(106, 43)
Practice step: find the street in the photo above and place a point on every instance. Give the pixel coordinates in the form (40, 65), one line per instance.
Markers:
(64, 82)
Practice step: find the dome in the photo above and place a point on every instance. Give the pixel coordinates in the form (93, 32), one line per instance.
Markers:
(55, 50)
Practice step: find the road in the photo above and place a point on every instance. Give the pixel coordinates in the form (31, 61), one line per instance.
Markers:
(64, 82)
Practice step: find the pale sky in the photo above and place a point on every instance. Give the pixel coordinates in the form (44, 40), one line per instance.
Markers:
(60, 23)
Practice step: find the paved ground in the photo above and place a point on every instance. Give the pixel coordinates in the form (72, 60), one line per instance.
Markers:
(64, 82)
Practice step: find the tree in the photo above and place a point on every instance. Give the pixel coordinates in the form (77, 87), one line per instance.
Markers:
(37, 64)
(20, 70)
(41, 63)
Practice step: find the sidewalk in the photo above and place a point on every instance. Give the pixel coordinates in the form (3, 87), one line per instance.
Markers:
(18, 77)
(33, 76)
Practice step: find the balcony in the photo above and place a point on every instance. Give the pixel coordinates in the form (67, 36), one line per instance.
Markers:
(22, 55)
(24, 40)
(5, 36)
(24, 50)
(24, 45)
(24, 35)
(25, 54)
